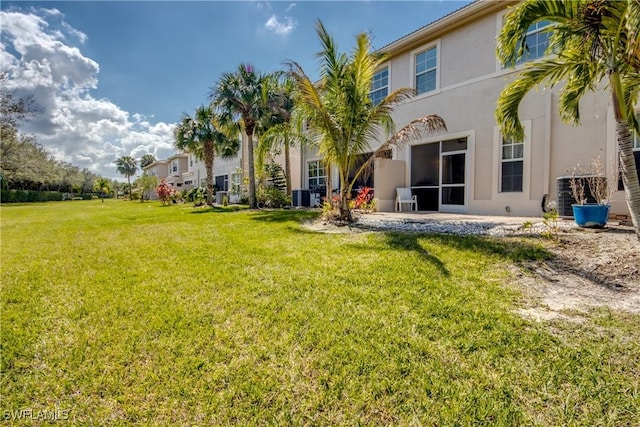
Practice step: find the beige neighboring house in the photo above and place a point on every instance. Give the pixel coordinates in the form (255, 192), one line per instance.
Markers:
(159, 169)
(452, 65)
(177, 164)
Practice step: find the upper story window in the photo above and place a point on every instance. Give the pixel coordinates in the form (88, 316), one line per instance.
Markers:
(537, 42)
(174, 166)
(191, 160)
(511, 166)
(379, 86)
(426, 63)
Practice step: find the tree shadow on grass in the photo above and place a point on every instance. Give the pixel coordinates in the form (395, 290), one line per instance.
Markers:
(410, 242)
(282, 215)
(515, 250)
(217, 209)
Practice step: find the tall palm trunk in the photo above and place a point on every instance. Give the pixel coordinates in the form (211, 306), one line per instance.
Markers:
(625, 149)
(287, 164)
(345, 193)
(251, 167)
(208, 165)
(629, 173)
(129, 182)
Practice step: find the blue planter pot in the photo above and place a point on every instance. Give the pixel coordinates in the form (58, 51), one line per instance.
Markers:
(591, 215)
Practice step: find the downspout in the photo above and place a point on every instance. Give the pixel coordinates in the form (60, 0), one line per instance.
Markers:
(546, 185)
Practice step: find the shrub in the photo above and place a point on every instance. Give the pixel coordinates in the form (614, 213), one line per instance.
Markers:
(364, 200)
(22, 196)
(165, 192)
(271, 197)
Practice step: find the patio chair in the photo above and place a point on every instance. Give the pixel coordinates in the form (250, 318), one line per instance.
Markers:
(403, 196)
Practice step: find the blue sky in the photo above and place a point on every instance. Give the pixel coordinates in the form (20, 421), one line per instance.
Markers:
(114, 77)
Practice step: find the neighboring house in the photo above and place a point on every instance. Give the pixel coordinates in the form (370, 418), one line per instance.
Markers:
(159, 169)
(451, 63)
(177, 165)
(228, 172)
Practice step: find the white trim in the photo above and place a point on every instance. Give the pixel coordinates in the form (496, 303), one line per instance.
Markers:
(386, 65)
(496, 194)
(434, 43)
(306, 172)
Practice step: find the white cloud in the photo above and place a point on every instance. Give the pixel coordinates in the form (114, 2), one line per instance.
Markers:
(288, 9)
(38, 55)
(283, 28)
(260, 5)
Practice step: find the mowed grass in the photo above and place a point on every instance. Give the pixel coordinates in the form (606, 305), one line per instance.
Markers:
(134, 313)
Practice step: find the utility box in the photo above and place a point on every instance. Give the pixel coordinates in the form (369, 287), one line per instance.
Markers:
(565, 197)
(220, 195)
(301, 198)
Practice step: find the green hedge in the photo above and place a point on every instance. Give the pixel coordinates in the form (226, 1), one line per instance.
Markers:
(20, 196)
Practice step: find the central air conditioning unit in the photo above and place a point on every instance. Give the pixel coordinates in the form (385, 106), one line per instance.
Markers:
(301, 198)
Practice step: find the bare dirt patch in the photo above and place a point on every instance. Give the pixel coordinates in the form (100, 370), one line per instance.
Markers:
(588, 269)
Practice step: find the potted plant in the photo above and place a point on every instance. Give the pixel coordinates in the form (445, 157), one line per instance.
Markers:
(589, 214)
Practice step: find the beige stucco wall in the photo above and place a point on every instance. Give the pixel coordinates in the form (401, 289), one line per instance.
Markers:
(388, 175)
(470, 81)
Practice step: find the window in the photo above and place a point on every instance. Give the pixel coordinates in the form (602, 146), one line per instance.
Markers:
(511, 166)
(174, 166)
(317, 175)
(236, 182)
(222, 182)
(190, 160)
(536, 42)
(379, 86)
(426, 67)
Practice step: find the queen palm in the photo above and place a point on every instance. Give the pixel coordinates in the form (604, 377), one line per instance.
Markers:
(201, 135)
(241, 98)
(341, 117)
(102, 186)
(592, 41)
(146, 160)
(282, 128)
(127, 166)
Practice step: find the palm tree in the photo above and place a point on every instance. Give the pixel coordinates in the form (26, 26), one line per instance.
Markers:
(342, 118)
(202, 136)
(127, 166)
(281, 126)
(101, 185)
(240, 97)
(591, 41)
(146, 160)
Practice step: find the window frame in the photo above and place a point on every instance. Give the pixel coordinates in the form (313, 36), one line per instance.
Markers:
(319, 167)
(497, 193)
(386, 87)
(512, 145)
(414, 75)
(499, 24)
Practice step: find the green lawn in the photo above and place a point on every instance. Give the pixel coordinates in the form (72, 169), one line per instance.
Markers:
(125, 313)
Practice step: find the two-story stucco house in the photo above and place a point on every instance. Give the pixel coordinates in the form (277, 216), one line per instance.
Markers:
(177, 164)
(451, 63)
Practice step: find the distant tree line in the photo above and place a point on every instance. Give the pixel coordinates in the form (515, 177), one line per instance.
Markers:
(26, 165)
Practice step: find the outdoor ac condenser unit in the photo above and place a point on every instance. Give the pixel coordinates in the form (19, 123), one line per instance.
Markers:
(301, 198)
